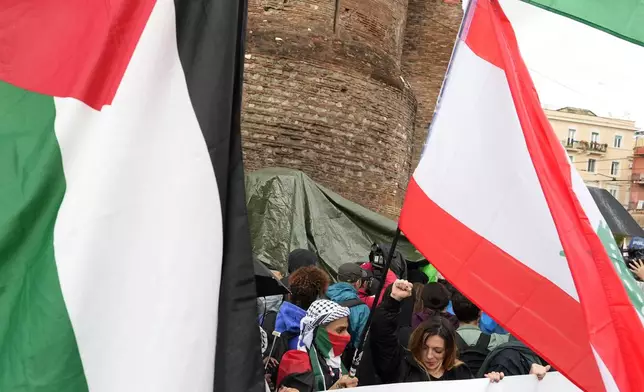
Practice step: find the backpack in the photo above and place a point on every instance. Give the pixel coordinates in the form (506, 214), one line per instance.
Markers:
(351, 303)
(347, 355)
(473, 356)
(512, 358)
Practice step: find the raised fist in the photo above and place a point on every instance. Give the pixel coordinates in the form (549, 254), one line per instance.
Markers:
(401, 289)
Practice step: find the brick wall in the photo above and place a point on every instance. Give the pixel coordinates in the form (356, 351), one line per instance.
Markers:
(323, 93)
(432, 26)
(350, 133)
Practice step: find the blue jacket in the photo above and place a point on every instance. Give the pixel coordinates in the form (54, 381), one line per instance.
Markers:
(288, 320)
(342, 291)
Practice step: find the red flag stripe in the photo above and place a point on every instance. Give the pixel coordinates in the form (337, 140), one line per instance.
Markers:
(614, 327)
(75, 48)
(293, 362)
(524, 302)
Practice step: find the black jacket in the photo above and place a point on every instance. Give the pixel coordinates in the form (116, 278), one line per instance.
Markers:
(512, 358)
(393, 362)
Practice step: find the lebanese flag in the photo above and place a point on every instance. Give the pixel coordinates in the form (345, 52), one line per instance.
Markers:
(125, 258)
(495, 205)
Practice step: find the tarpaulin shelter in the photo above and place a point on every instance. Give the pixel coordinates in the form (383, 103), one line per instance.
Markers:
(287, 210)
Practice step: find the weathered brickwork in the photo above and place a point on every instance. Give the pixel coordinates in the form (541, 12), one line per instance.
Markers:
(324, 94)
(432, 26)
(346, 131)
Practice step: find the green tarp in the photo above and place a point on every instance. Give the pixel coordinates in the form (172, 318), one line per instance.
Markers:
(621, 18)
(287, 210)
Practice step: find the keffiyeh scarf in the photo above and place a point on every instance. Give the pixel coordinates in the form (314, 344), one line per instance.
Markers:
(320, 313)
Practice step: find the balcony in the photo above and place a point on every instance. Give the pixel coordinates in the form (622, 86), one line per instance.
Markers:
(584, 146)
(639, 151)
(637, 178)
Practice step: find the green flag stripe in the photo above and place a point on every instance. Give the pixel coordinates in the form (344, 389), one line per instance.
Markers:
(631, 287)
(38, 350)
(621, 18)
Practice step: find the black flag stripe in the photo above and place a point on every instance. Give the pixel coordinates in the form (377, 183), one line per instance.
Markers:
(210, 36)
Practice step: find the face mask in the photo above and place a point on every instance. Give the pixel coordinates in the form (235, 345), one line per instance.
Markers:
(329, 341)
(338, 342)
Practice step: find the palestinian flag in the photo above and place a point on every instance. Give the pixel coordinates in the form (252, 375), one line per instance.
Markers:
(495, 205)
(125, 260)
(621, 18)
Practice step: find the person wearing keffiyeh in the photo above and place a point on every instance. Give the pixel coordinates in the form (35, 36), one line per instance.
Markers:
(316, 364)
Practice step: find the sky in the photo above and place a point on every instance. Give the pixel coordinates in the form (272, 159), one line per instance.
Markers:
(575, 65)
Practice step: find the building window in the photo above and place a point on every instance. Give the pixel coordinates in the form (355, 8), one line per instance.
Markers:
(571, 159)
(613, 192)
(614, 168)
(591, 165)
(594, 137)
(617, 143)
(571, 136)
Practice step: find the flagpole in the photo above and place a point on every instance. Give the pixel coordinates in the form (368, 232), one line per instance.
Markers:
(357, 356)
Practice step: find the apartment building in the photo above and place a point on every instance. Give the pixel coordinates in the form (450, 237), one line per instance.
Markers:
(600, 148)
(637, 186)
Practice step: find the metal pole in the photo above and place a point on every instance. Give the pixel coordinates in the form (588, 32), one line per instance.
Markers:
(358, 354)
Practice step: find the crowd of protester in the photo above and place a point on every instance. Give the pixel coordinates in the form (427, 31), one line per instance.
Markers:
(423, 329)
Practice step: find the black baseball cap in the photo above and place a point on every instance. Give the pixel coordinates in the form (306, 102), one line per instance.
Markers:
(351, 273)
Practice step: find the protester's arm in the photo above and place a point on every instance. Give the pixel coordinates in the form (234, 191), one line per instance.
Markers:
(345, 382)
(387, 352)
(539, 371)
(637, 267)
(494, 376)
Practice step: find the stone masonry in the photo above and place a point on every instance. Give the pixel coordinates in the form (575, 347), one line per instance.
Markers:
(340, 89)
(432, 27)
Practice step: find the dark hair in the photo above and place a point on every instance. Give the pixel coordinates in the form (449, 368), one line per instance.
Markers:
(435, 326)
(307, 284)
(301, 258)
(417, 293)
(435, 296)
(450, 287)
(464, 309)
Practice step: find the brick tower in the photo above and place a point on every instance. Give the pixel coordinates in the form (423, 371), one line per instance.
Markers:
(332, 88)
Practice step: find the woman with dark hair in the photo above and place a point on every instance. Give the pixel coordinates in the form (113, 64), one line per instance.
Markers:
(431, 354)
(433, 347)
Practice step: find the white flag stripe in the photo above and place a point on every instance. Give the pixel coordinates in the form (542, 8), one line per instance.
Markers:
(478, 135)
(585, 199)
(138, 239)
(609, 381)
